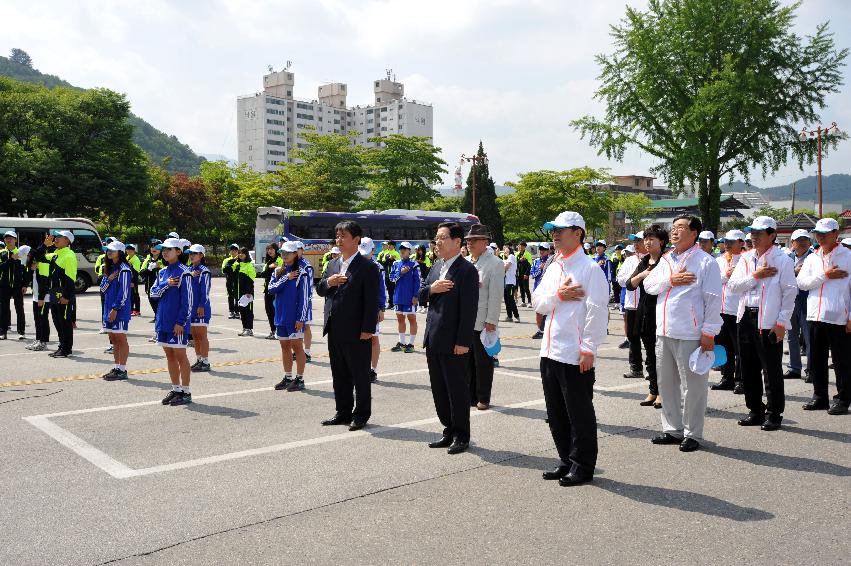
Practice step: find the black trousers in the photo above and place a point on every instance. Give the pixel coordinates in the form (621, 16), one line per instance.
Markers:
(729, 338)
(350, 377)
(480, 373)
(233, 300)
(510, 303)
(761, 354)
(391, 287)
(451, 393)
(16, 295)
(135, 299)
(269, 303)
(826, 337)
(246, 314)
(153, 302)
(63, 320)
(635, 359)
(41, 319)
(649, 341)
(525, 294)
(569, 397)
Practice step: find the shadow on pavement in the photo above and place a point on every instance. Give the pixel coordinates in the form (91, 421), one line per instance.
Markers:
(219, 411)
(794, 463)
(682, 500)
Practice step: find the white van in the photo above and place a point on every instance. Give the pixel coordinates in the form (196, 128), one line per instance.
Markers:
(87, 242)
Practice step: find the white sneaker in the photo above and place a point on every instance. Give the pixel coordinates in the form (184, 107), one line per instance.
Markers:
(108, 350)
(39, 347)
(152, 339)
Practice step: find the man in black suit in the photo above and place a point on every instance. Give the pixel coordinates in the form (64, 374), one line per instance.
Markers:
(452, 293)
(350, 288)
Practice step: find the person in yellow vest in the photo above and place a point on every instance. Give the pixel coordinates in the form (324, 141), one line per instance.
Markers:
(244, 290)
(135, 264)
(11, 285)
(41, 303)
(62, 277)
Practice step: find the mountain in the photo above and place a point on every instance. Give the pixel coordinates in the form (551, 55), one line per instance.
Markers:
(836, 189)
(158, 145)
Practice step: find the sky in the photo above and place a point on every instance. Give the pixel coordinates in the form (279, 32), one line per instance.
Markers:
(511, 73)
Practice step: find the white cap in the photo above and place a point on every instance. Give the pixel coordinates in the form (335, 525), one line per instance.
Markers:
(630, 248)
(544, 245)
(24, 251)
(734, 235)
(66, 234)
(825, 225)
(748, 237)
(493, 246)
(173, 243)
(197, 249)
(173, 235)
(586, 246)
(335, 250)
(706, 235)
(299, 245)
(116, 246)
(800, 233)
(600, 243)
(11, 233)
(700, 362)
(406, 245)
(567, 219)
(366, 247)
(289, 247)
(844, 242)
(762, 223)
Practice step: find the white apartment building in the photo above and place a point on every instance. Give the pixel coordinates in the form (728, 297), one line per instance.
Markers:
(269, 122)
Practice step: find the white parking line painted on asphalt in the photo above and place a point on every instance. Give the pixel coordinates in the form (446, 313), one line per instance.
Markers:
(119, 470)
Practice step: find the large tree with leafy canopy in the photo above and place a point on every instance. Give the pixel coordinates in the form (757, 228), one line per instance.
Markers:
(713, 89)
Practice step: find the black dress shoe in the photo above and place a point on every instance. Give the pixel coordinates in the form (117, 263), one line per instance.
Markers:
(771, 424)
(739, 389)
(791, 375)
(337, 420)
(689, 445)
(752, 419)
(666, 438)
(575, 477)
(837, 408)
(633, 375)
(444, 442)
(357, 425)
(556, 474)
(816, 405)
(457, 447)
(723, 385)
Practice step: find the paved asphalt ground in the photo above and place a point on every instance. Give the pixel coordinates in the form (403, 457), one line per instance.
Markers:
(95, 472)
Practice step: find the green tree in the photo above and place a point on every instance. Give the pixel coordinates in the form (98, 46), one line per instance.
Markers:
(330, 173)
(445, 204)
(403, 171)
(712, 88)
(21, 57)
(635, 205)
(238, 192)
(487, 210)
(539, 196)
(67, 152)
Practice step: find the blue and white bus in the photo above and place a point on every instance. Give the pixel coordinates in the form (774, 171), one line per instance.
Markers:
(316, 229)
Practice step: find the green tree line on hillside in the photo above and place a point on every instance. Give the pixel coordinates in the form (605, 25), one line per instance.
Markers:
(160, 147)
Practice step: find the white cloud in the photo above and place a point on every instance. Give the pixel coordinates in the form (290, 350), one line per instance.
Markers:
(509, 72)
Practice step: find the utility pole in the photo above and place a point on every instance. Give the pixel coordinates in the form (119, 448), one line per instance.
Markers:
(793, 197)
(817, 133)
(475, 160)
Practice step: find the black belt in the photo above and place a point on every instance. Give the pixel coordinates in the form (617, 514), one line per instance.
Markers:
(753, 311)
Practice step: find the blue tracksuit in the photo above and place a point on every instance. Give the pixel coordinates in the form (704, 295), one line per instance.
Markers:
(291, 300)
(307, 269)
(201, 292)
(116, 293)
(605, 264)
(537, 271)
(407, 284)
(382, 286)
(175, 306)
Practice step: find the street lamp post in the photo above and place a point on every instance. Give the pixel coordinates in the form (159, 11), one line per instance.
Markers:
(475, 160)
(833, 129)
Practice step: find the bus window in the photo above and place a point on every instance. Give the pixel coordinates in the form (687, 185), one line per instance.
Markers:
(308, 228)
(87, 243)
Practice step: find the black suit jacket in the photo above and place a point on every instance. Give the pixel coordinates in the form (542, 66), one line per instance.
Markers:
(350, 308)
(451, 315)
